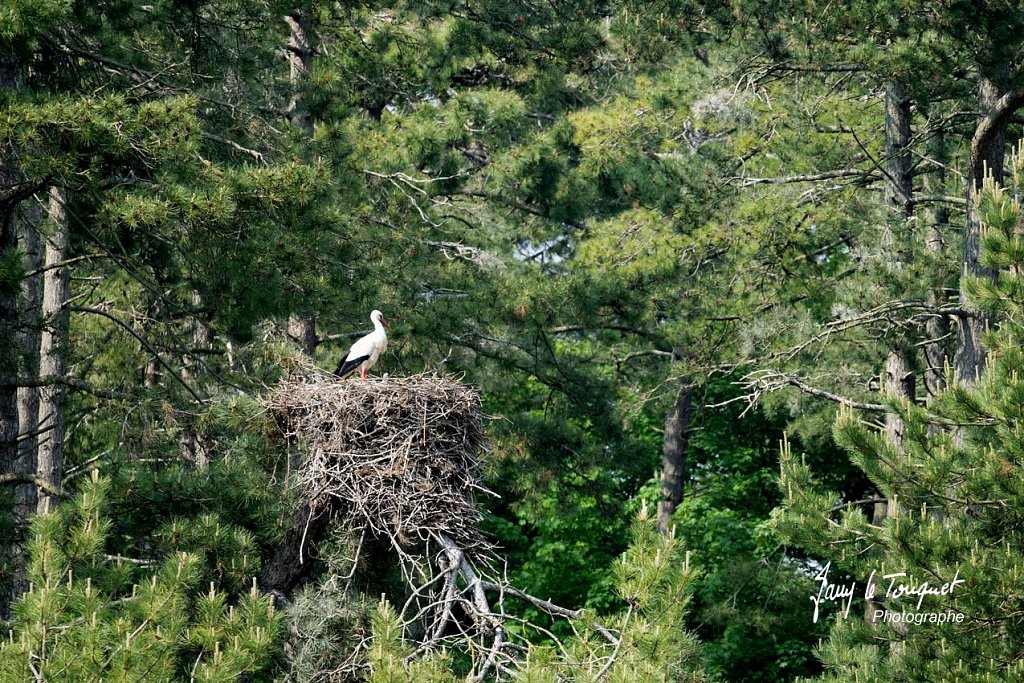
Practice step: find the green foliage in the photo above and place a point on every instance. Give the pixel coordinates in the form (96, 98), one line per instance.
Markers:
(749, 600)
(577, 204)
(955, 504)
(230, 512)
(653, 577)
(331, 619)
(387, 654)
(21, 21)
(91, 615)
(648, 641)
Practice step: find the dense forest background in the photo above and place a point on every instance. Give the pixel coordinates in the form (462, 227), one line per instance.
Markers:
(673, 244)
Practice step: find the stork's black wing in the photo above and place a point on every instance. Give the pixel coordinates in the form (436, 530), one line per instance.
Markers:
(347, 366)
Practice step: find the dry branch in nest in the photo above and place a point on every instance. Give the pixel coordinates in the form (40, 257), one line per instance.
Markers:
(399, 455)
(399, 458)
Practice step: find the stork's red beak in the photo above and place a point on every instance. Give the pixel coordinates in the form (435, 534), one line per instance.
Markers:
(384, 322)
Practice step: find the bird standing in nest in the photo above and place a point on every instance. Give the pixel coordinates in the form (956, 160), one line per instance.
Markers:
(364, 353)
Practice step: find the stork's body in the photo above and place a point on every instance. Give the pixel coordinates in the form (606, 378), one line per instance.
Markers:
(364, 353)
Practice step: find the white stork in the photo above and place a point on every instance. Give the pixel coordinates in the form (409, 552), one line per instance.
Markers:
(365, 352)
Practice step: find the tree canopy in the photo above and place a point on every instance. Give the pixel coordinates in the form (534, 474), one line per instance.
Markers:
(672, 246)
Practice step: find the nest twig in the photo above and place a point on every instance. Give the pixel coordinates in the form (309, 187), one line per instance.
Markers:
(401, 455)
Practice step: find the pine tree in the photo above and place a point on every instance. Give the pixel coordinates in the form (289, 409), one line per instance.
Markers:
(644, 641)
(90, 615)
(956, 494)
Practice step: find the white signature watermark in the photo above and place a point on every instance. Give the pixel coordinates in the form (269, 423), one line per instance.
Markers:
(899, 586)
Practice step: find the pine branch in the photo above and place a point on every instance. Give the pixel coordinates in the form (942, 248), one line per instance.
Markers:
(883, 313)
(62, 264)
(643, 353)
(747, 181)
(757, 384)
(465, 252)
(70, 382)
(11, 478)
(131, 560)
(141, 340)
(121, 181)
(923, 200)
(258, 156)
(826, 69)
(533, 211)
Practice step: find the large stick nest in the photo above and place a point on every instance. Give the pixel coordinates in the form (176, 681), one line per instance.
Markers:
(400, 455)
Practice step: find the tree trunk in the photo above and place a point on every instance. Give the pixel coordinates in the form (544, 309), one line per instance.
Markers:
(897, 382)
(193, 447)
(301, 328)
(303, 331)
(28, 340)
(10, 183)
(25, 498)
(899, 193)
(675, 446)
(898, 379)
(300, 55)
(294, 561)
(151, 373)
(292, 564)
(937, 327)
(202, 340)
(987, 152)
(53, 349)
(899, 190)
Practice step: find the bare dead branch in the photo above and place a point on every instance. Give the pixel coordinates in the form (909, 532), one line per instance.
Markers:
(465, 252)
(618, 646)
(747, 181)
(545, 605)
(762, 382)
(258, 156)
(71, 383)
(141, 340)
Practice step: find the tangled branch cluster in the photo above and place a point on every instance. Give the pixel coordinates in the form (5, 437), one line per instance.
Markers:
(400, 455)
(398, 458)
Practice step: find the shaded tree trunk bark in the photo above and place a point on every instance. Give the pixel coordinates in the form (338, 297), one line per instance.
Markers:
(300, 55)
(300, 49)
(29, 339)
(193, 447)
(151, 373)
(899, 191)
(937, 328)
(53, 349)
(898, 377)
(25, 498)
(303, 331)
(10, 197)
(295, 559)
(898, 380)
(987, 153)
(675, 446)
(285, 572)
